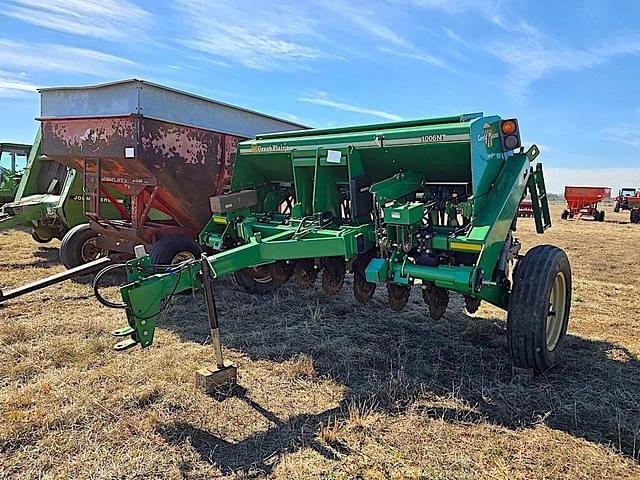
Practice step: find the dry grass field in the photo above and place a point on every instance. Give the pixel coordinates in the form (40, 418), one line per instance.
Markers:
(329, 388)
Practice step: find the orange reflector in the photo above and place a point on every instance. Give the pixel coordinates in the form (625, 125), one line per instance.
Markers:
(508, 127)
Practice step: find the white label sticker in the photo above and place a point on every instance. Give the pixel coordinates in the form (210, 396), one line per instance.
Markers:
(334, 156)
(395, 214)
(129, 152)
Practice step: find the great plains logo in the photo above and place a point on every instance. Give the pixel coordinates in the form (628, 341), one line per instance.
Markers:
(436, 137)
(255, 148)
(487, 135)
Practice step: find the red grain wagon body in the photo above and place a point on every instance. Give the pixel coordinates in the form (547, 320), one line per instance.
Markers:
(584, 201)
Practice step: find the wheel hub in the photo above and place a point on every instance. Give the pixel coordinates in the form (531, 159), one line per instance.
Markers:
(183, 256)
(90, 251)
(557, 311)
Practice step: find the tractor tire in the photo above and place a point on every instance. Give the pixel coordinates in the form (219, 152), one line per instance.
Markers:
(565, 215)
(601, 216)
(259, 280)
(634, 216)
(78, 246)
(616, 207)
(174, 249)
(539, 309)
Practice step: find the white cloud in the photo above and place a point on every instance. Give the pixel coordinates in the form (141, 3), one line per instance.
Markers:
(33, 57)
(625, 133)
(421, 57)
(290, 34)
(272, 40)
(616, 178)
(14, 88)
(531, 57)
(325, 102)
(115, 20)
(362, 17)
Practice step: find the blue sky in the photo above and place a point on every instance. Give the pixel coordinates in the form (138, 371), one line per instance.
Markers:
(568, 70)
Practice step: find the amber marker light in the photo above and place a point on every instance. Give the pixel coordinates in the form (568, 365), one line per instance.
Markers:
(508, 127)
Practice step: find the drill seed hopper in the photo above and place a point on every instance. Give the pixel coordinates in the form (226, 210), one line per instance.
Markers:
(164, 150)
(584, 201)
(427, 204)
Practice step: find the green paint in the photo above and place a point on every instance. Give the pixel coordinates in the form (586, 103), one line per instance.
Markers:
(445, 198)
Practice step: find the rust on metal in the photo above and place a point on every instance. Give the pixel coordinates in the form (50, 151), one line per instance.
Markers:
(171, 168)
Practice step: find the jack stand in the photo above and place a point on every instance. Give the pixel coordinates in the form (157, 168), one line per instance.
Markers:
(223, 374)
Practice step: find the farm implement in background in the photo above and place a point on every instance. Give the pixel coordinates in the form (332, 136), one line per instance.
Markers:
(124, 164)
(584, 201)
(633, 204)
(163, 150)
(429, 204)
(13, 160)
(525, 209)
(48, 198)
(622, 202)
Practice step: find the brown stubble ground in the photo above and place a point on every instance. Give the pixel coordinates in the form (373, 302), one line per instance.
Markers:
(330, 388)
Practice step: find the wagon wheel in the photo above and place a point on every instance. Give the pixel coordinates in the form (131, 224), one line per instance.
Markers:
(174, 249)
(79, 246)
(539, 308)
(398, 296)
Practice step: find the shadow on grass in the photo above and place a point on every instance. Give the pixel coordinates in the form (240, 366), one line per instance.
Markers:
(44, 257)
(258, 453)
(398, 360)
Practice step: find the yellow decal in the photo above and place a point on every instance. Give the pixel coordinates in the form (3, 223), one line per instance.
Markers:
(467, 247)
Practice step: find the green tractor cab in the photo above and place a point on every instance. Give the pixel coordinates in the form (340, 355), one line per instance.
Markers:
(13, 160)
(428, 204)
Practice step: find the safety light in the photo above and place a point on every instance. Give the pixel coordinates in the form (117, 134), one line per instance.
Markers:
(509, 135)
(508, 127)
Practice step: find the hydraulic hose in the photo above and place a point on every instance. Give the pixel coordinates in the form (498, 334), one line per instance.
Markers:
(154, 268)
(96, 286)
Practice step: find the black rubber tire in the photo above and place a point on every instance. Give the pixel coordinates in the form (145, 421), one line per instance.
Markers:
(634, 215)
(565, 215)
(72, 244)
(601, 216)
(529, 308)
(165, 250)
(259, 280)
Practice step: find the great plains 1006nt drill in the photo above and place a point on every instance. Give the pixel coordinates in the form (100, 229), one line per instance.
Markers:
(429, 203)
